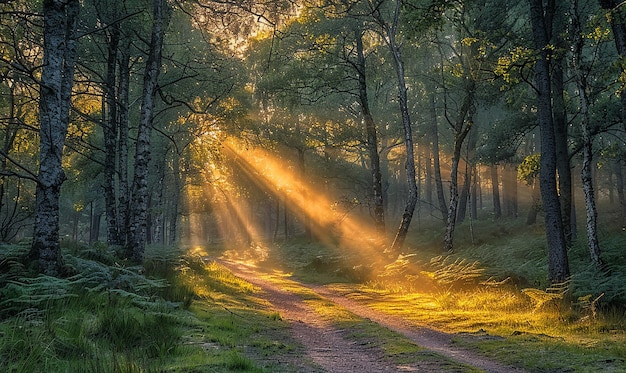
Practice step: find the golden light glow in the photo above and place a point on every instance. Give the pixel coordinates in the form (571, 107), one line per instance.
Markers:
(304, 199)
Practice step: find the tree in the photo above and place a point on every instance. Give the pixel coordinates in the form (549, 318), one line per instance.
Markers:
(136, 241)
(389, 30)
(57, 77)
(581, 72)
(372, 138)
(541, 21)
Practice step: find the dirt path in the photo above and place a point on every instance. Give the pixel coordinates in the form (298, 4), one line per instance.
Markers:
(328, 351)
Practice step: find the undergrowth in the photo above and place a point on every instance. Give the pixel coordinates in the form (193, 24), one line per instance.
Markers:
(111, 317)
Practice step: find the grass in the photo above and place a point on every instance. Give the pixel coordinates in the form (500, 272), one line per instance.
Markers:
(181, 313)
(492, 292)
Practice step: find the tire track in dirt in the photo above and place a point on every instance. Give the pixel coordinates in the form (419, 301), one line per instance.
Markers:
(329, 351)
(431, 339)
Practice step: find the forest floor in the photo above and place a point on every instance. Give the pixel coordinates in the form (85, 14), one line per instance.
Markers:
(311, 312)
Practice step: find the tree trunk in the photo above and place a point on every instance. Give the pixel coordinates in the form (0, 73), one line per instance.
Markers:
(562, 152)
(123, 123)
(175, 202)
(94, 226)
(509, 190)
(57, 78)
(587, 164)
(411, 200)
(475, 188)
(137, 233)
(464, 197)
(462, 126)
(110, 133)
(495, 188)
(434, 133)
(531, 217)
(558, 265)
(372, 139)
(619, 178)
(428, 187)
(467, 180)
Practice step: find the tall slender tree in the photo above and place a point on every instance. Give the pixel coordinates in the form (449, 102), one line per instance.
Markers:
(137, 233)
(581, 74)
(541, 16)
(389, 28)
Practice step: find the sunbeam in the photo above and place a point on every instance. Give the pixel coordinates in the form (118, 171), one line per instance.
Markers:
(316, 210)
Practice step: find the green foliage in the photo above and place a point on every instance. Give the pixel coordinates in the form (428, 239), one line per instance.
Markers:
(528, 170)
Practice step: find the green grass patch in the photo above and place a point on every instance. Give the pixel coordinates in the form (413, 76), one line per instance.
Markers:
(180, 312)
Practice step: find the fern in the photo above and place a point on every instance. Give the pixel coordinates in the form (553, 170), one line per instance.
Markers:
(553, 295)
(36, 293)
(454, 272)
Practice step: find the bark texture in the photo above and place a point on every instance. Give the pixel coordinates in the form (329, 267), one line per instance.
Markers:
(372, 139)
(110, 131)
(434, 138)
(462, 126)
(390, 31)
(587, 164)
(57, 78)
(137, 233)
(558, 264)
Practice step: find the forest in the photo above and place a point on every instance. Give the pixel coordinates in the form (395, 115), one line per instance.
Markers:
(400, 145)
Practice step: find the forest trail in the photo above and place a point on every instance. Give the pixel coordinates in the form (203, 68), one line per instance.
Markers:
(328, 350)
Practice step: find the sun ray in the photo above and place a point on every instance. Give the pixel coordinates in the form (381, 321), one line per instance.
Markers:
(351, 233)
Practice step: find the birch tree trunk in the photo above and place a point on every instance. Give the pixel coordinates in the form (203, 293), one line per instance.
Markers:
(137, 233)
(57, 77)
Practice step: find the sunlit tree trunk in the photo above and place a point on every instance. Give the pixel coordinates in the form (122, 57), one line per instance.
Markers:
(57, 78)
(587, 163)
(372, 139)
(558, 264)
(137, 233)
(390, 33)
